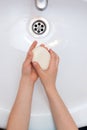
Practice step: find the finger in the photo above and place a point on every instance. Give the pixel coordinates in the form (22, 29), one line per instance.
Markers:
(42, 45)
(38, 68)
(56, 57)
(29, 58)
(57, 61)
(50, 50)
(33, 45)
(53, 58)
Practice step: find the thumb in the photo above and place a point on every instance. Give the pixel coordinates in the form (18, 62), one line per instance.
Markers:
(38, 68)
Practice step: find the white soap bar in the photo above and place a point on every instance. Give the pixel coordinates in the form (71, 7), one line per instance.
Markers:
(41, 56)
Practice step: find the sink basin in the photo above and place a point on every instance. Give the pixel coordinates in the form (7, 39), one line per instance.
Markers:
(67, 21)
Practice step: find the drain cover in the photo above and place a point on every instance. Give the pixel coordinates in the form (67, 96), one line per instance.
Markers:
(39, 27)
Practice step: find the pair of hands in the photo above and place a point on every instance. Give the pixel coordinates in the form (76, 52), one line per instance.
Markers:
(32, 70)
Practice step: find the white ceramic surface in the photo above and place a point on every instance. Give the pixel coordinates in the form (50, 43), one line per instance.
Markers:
(68, 25)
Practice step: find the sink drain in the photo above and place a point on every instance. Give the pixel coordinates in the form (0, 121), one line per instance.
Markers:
(39, 27)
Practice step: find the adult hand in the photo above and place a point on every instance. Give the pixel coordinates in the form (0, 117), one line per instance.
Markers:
(48, 77)
(28, 71)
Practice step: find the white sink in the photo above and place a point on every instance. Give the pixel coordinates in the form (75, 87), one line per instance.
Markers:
(67, 21)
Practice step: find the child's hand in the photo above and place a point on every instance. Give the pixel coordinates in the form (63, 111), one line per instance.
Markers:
(48, 77)
(28, 72)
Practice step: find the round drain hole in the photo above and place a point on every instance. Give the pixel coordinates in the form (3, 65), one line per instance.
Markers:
(39, 27)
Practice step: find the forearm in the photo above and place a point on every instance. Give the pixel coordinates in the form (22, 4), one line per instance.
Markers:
(62, 118)
(20, 114)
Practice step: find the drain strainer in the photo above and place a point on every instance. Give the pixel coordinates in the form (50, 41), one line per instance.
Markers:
(39, 27)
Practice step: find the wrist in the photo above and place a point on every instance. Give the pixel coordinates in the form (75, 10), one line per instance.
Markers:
(52, 93)
(25, 80)
(50, 88)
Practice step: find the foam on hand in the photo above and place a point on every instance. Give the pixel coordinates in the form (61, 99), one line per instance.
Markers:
(41, 56)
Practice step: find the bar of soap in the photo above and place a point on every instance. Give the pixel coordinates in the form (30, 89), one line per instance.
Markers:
(41, 56)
